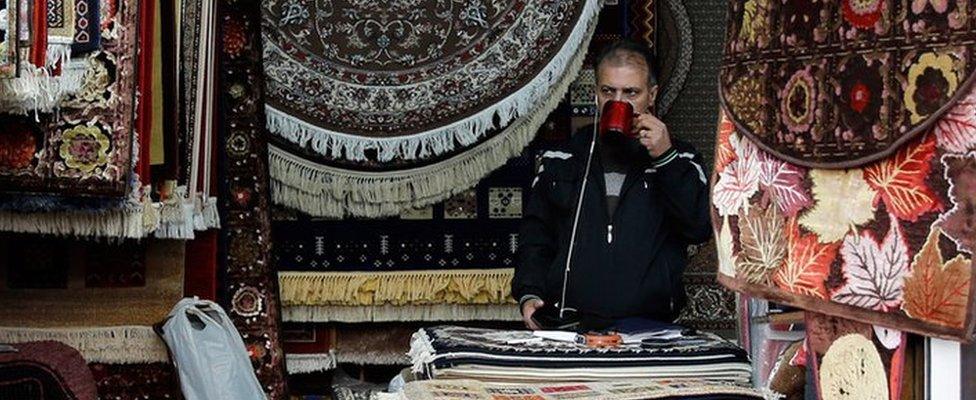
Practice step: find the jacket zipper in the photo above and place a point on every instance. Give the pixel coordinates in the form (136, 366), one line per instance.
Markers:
(610, 233)
(667, 274)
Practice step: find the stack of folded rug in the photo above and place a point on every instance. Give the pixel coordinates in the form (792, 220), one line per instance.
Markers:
(618, 390)
(520, 356)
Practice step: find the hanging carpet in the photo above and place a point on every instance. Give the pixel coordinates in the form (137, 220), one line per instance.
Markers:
(889, 239)
(838, 83)
(248, 287)
(450, 261)
(77, 170)
(376, 108)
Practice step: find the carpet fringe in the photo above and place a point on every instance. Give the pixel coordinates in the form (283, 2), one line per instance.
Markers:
(127, 223)
(479, 286)
(388, 313)
(325, 191)
(181, 216)
(109, 345)
(36, 90)
(308, 363)
(369, 358)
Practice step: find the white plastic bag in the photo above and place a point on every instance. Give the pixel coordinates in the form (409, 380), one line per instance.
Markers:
(209, 353)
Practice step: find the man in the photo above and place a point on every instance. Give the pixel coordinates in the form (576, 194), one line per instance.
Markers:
(645, 201)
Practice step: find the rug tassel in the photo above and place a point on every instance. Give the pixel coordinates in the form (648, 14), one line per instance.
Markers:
(421, 351)
(176, 217)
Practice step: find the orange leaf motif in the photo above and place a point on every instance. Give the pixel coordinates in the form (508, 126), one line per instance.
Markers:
(937, 292)
(900, 181)
(807, 264)
(724, 152)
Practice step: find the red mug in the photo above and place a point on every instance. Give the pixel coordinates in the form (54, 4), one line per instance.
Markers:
(617, 117)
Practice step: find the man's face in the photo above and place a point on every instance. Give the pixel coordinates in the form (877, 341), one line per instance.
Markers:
(625, 82)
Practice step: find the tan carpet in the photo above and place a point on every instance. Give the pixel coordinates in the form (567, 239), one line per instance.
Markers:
(78, 297)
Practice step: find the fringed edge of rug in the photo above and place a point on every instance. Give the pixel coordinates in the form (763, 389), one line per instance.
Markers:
(331, 192)
(308, 363)
(109, 345)
(476, 286)
(118, 223)
(388, 313)
(36, 90)
(421, 351)
(371, 358)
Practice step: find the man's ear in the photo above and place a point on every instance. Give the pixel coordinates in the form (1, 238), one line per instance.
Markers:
(652, 97)
(652, 93)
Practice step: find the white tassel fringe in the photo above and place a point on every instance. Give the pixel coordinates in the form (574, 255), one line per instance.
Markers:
(110, 345)
(308, 363)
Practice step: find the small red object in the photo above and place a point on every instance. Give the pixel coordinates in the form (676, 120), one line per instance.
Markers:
(617, 117)
(603, 339)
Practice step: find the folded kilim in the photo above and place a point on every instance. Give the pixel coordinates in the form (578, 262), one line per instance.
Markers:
(619, 390)
(511, 355)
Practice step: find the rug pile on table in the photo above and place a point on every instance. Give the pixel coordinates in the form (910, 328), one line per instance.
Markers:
(520, 356)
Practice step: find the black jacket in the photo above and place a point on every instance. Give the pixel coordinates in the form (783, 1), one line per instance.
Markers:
(626, 265)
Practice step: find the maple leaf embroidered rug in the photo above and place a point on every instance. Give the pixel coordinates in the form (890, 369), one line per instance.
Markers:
(377, 107)
(888, 243)
(838, 83)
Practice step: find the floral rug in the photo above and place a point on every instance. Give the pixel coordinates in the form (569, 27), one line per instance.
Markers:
(377, 107)
(839, 83)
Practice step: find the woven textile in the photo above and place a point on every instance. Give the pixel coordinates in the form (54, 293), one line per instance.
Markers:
(249, 287)
(136, 381)
(853, 360)
(61, 19)
(889, 243)
(839, 83)
(517, 355)
(622, 390)
(9, 56)
(88, 150)
(45, 371)
(378, 108)
(75, 170)
(88, 33)
(450, 261)
(47, 283)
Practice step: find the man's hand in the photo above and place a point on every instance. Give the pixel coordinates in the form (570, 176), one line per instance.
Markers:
(529, 308)
(652, 133)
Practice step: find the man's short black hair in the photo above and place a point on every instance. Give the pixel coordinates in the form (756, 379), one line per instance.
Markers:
(619, 50)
